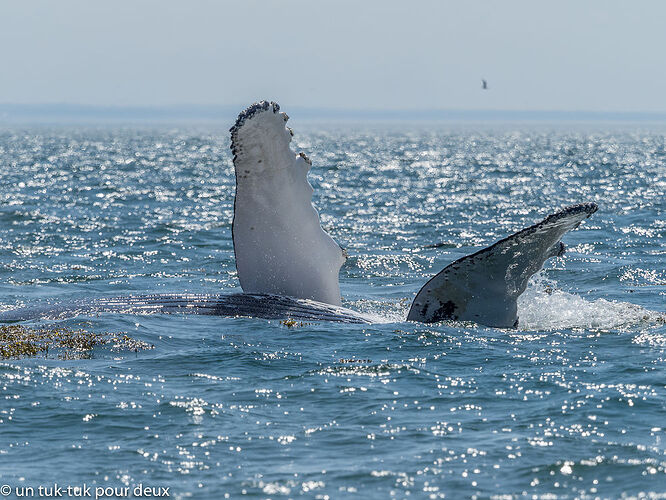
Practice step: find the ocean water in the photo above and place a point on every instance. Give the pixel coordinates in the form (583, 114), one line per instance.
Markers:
(571, 404)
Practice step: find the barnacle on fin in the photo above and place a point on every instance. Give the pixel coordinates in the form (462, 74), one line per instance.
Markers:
(246, 114)
(305, 158)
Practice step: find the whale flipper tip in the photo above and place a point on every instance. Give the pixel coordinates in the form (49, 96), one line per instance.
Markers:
(484, 287)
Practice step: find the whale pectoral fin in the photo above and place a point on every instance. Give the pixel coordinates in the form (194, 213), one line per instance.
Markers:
(484, 287)
(279, 243)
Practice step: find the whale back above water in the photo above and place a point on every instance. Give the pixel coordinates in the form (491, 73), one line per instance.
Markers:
(288, 266)
(235, 304)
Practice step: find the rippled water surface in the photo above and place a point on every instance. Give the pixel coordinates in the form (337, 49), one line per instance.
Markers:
(573, 403)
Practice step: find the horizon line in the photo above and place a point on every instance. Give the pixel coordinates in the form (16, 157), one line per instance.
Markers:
(27, 112)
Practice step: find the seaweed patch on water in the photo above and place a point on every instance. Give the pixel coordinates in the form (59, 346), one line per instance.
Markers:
(290, 323)
(17, 341)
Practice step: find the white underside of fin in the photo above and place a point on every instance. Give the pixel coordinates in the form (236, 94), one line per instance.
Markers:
(279, 243)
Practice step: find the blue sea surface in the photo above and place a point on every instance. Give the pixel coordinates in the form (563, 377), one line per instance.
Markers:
(571, 404)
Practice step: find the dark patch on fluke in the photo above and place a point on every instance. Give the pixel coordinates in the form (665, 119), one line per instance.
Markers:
(561, 249)
(445, 312)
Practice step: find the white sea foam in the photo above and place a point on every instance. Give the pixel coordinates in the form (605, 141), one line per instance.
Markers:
(544, 307)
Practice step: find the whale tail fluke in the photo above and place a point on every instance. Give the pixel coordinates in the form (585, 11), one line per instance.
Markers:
(484, 287)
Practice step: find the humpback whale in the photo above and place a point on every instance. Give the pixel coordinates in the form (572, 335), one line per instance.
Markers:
(288, 266)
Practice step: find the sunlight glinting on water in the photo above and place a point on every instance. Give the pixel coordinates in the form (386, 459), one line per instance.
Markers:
(569, 403)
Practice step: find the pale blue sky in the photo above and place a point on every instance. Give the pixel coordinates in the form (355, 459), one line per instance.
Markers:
(536, 55)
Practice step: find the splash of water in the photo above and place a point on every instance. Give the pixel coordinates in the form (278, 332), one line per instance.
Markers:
(544, 307)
